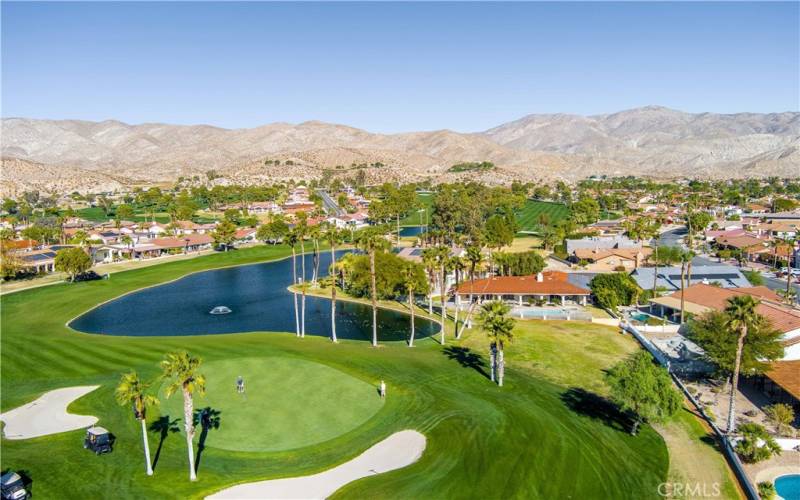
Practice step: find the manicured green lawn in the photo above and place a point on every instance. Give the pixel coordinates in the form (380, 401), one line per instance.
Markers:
(415, 218)
(528, 217)
(530, 439)
(288, 403)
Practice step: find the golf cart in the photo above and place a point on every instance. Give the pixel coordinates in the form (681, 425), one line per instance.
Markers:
(13, 488)
(98, 440)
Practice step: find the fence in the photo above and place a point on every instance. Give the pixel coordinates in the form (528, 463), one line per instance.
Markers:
(727, 448)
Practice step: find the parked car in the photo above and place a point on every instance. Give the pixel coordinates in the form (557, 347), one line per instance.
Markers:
(12, 486)
(98, 440)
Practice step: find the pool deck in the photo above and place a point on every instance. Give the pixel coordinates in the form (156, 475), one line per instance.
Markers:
(788, 462)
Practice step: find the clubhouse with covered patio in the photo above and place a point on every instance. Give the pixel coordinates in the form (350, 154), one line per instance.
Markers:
(544, 286)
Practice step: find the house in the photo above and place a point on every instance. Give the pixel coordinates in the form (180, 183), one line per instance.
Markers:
(264, 207)
(545, 285)
(608, 227)
(246, 235)
(669, 278)
(293, 207)
(748, 245)
(601, 242)
(779, 228)
(701, 298)
(354, 221)
(713, 234)
(611, 259)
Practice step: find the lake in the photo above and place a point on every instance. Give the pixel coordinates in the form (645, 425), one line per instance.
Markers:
(407, 231)
(259, 301)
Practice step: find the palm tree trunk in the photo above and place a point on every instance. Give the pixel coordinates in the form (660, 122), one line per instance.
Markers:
(655, 274)
(189, 427)
(294, 282)
(492, 361)
(501, 364)
(374, 297)
(333, 295)
(303, 283)
(683, 276)
(430, 294)
(735, 382)
(443, 298)
(146, 448)
(411, 309)
(316, 262)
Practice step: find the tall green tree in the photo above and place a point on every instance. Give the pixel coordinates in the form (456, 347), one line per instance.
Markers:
(131, 390)
(224, 234)
(429, 258)
(737, 340)
(443, 261)
(410, 280)
(334, 236)
(494, 319)
(74, 261)
(371, 240)
(291, 240)
(181, 371)
(639, 386)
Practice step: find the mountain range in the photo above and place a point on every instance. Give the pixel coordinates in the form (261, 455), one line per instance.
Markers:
(650, 141)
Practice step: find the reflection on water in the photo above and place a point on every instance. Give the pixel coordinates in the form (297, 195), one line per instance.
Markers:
(259, 300)
(408, 231)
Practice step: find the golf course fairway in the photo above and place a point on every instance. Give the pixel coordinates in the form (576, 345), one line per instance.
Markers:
(529, 439)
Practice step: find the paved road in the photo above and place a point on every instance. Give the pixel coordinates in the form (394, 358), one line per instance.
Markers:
(330, 206)
(776, 284)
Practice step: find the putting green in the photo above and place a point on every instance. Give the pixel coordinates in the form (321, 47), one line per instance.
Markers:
(288, 403)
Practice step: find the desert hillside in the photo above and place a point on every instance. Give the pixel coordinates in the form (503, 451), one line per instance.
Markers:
(650, 141)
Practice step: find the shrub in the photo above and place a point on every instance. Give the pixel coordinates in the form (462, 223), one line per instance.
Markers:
(613, 290)
(781, 416)
(756, 444)
(619, 269)
(766, 490)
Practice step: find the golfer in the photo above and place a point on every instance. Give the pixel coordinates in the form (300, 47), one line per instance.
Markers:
(240, 384)
(383, 389)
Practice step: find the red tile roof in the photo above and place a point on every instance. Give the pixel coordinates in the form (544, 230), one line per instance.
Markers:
(182, 241)
(553, 283)
(787, 375)
(782, 318)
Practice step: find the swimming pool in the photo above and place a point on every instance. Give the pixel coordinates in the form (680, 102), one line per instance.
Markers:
(549, 313)
(788, 486)
(641, 317)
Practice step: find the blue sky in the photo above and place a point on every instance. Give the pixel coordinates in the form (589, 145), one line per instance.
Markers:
(391, 67)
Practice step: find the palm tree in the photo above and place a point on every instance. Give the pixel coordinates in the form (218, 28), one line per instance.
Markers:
(429, 261)
(499, 326)
(789, 269)
(443, 258)
(456, 263)
(291, 240)
(741, 313)
(475, 258)
(315, 235)
(410, 282)
(131, 391)
(181, 369)
(302, 232)
(334, 237)
(371, 240)
(686, 260)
